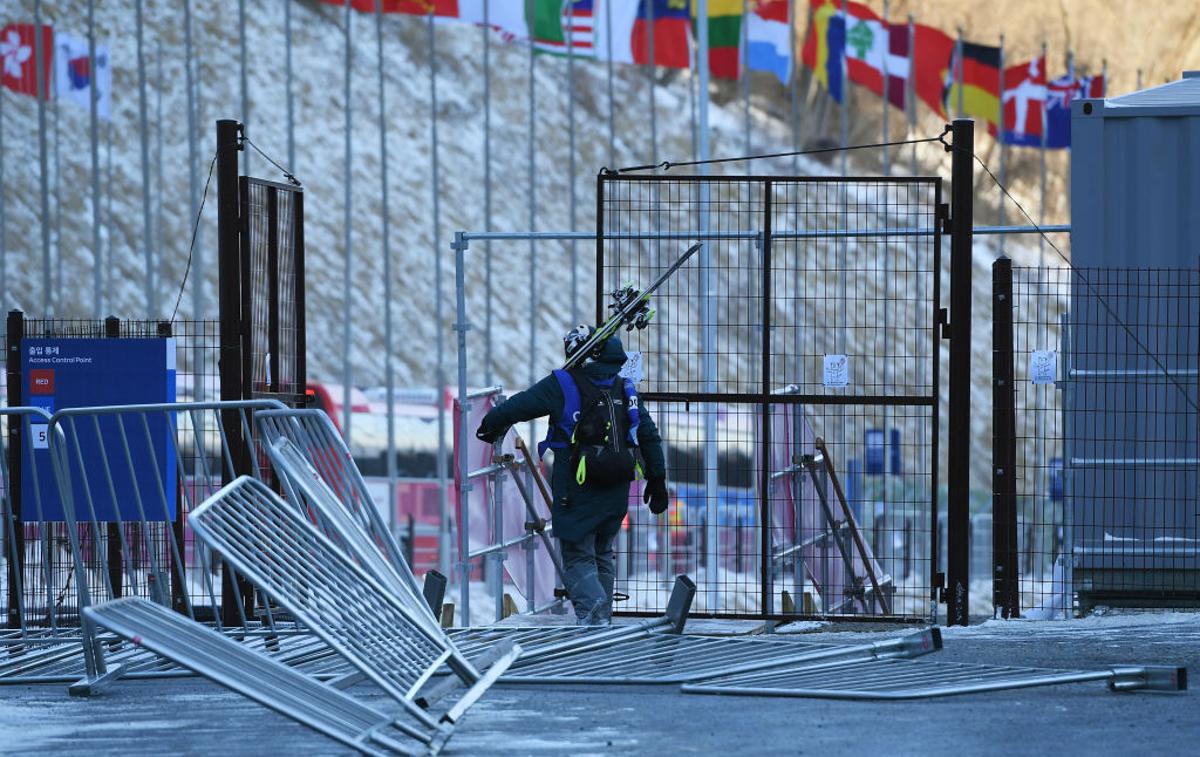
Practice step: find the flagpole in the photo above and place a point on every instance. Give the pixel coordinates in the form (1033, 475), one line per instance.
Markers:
(94, 145)
(58, 245)
(1139, 80)
(744, 77)
(487, 191)
(692, 86)
(245, 91)
(291, 100)
(108, 216)
(1003, 150)
(843, 112)
(347, 208)
(40, 82)
(144, 138)
(1042, 184)
(439, 316)
(887, 164)
(612, 129)
(531, 192)
(486, 32)
(959, 69)
(159, 234)
(652, 70)
(1104, 77)
(1074, 85)
(193, 189)
(571, 157)
(389, 380)
(793, 87)
(910, 104)
(708, 337)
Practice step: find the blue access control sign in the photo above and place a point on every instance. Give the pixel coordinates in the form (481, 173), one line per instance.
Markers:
(63, 373)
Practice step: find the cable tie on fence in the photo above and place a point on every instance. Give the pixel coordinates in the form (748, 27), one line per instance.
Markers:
(667, 165)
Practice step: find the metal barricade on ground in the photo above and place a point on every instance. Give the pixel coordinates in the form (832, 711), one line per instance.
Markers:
(318, 584)
(272, 684)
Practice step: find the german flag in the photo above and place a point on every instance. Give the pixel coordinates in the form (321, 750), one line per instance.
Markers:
(980, 83)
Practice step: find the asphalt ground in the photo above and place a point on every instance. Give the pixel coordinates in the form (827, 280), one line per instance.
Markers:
(192, 716)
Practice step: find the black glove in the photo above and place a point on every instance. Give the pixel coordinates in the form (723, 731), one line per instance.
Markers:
(489, 436)
(655, 495)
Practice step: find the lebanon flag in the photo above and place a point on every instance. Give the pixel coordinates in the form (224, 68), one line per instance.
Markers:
(506, 18)
(671, 29)
(869, 50)
(18, 67)
(1024, 101)
(74, 76)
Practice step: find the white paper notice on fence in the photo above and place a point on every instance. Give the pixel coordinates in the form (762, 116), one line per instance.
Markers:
(632, 369)
(837, 371)
(1041, 366)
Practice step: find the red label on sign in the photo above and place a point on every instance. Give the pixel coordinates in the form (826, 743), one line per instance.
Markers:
(41, 381)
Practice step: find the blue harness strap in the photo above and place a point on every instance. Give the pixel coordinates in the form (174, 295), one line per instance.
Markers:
(558, 434)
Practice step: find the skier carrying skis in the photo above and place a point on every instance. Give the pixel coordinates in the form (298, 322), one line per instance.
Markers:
(599, 429)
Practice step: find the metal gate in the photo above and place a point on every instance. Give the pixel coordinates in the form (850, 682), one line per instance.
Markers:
(793, 372)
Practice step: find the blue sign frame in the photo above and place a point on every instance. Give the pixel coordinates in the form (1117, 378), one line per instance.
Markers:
(61, 373)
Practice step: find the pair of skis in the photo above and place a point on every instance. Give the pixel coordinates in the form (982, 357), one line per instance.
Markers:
(630, 308)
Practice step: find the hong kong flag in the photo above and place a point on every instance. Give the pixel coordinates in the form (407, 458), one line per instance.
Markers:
(18, 66)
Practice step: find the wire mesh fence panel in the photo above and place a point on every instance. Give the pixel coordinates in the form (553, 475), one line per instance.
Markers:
(1107, 393)
(273, 297)
(808, 314)
(48, 582)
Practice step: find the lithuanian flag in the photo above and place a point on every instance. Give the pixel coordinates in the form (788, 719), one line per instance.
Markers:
(724, 37)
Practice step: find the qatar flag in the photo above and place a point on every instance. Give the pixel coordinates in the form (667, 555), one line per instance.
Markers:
(18, 66)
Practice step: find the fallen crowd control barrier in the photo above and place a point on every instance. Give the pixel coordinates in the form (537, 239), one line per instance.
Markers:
(296, 565)
(895, 679)
(268, 682)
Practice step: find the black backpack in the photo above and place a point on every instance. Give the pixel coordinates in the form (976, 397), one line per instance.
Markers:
(601, 455)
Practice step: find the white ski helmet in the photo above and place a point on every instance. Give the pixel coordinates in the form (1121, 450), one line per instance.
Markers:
(576, 338)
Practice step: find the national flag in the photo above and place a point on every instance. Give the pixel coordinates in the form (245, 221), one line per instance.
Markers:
(440, 8)
(869, 51)
(898, 71)
(614, 22)
(1059, 94)
(980, 82)
(769, 39)
(506, 18)
(1024, 101)
(825, 47)
(671, 28)
(18, 66)
(550, 21)
(933, 50)
(74, 76)
(724, 37)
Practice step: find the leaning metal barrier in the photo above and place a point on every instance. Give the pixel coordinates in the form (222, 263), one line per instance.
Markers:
(126, 477)
(894, 679)
(272, 684)
(304, 571)
(306, 489)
